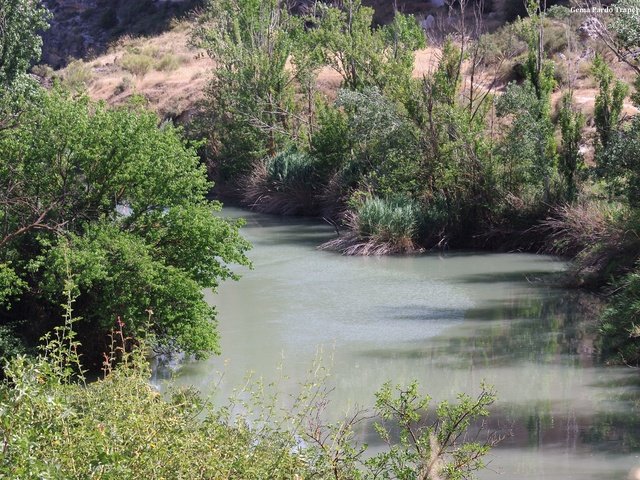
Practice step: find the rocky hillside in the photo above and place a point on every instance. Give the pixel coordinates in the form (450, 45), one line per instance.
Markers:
(82, 29)
(172, 75)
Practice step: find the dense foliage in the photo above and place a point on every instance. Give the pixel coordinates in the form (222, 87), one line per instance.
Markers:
(20, 42)
(116, 202)
(109, 199)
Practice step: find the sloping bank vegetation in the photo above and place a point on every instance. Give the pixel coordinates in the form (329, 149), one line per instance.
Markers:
(402, 164)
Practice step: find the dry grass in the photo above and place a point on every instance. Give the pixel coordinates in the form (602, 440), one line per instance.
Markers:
(598, 235)
(172, 82)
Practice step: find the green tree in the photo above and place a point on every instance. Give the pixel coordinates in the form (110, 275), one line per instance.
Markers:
(363, 55)
(530, 143)
(117, 203)
(609, 100)
(619, 163)
(20, 42)
(528, 147)
(570, 162)
(456, 163)
(251, 110)
(20, 47)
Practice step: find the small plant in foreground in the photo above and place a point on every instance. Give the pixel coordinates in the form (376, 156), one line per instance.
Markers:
(55, 425)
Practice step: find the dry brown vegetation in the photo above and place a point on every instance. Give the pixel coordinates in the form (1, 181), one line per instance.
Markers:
(171, 74)
(166, 70)
(596, 235)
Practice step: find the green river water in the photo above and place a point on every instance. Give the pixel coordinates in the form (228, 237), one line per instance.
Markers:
(449, 321)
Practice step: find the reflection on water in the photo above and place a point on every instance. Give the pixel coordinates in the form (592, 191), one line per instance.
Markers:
(449, 321)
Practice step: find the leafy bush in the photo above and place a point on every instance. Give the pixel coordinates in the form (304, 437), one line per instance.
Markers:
(558, 12)
(385, 149)
(620, 328)
(619, 162)
(137, 63)
(330, 142)
(609, 101)
(43, 71)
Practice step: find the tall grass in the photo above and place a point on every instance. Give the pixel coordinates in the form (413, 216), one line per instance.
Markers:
(286, 184)
(601, 237)
(380, 226)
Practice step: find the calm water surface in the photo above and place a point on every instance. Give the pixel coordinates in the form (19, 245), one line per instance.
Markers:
(446, 320)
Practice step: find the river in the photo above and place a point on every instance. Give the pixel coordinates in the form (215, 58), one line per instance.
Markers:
(448, 320)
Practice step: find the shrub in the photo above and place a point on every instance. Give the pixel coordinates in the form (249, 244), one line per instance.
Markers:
(77, 76)
(54, 425)
(598, 236)
(619, 163)
(169, 62)
(502, 45)
(137, 63)
(380, 226)
(43, 71)
(286, 184)
(556, 37)
(385, 146)
(124, 85)
(330, 142)
(620, 327)
(559, 12)
(365, 55)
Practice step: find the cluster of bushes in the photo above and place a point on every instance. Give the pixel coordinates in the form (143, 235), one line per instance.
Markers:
(139, 61)
(397, 140)
(603, 228)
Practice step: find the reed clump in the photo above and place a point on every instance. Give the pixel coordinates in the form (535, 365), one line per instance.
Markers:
(286, 184)
(379, 226)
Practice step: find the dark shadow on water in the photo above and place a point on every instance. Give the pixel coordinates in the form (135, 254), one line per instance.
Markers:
(529, 276)
(546, 329)
(545, 426)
